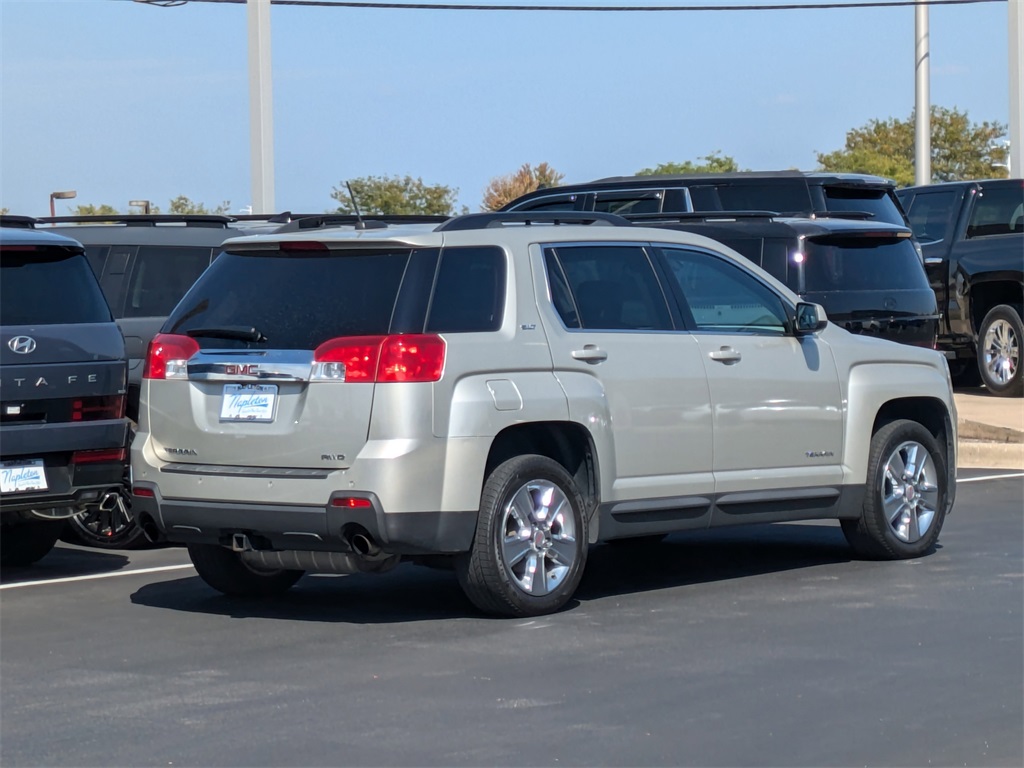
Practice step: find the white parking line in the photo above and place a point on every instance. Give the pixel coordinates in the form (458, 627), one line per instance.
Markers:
(987, 477)
(93, 576)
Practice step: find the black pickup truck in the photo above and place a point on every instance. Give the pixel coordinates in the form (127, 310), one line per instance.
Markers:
(972, 235)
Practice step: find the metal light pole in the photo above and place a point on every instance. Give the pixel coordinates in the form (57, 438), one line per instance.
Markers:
(922, 101)
(1015, 157)
(261, 118)
(60, 196)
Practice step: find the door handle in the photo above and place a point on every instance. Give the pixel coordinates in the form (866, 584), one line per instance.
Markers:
(726, 355)
(591, 353)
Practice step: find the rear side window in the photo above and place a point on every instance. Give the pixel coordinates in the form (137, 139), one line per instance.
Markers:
(161, 275)
(49, 287)
(862, 264)
(782, 197)
(930, 215)
(470, 291)
(606, 287)
(296, 301)
(880, 203)
(997, 211)
(634, 202)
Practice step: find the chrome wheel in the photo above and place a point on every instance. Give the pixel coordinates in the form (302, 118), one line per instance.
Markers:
(910, 491)
(539, 544)
(1001, 351)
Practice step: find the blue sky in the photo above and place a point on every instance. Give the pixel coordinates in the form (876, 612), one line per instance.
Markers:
(123, 101)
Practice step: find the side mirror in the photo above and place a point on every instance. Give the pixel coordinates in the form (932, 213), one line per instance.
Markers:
(810, 318)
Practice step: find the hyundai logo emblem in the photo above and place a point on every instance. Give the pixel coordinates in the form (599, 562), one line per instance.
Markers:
(23, 345)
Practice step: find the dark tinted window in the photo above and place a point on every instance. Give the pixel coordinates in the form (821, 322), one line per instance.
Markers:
(862, 264)
(613, 287)
(160, 276)
(470, 291)
(998, 211)
(636, 202)
(296, 301)
(722, 297)
(931, 215)
(554, 203)
(97, 254)
(878, 202)
(785, 196)
(49, 287)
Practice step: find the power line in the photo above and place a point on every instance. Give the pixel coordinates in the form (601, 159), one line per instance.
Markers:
(590, 8)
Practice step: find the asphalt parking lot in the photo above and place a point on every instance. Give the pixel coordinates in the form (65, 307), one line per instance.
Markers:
(764, 645)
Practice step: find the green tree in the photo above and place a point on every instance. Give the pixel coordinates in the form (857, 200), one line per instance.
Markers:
(960, 149)
(716, 162)
(4, 211)
(94, 210)
(396, 195)
(182, 205)
(505, 189)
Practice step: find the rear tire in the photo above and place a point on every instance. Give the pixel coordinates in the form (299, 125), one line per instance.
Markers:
(999, 351)
(905, 500)
(224, 570)
(530, 545)
(28, 541)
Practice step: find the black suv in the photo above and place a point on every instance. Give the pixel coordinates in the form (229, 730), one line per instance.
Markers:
(62, 392)
(866, 274)
(790, 193)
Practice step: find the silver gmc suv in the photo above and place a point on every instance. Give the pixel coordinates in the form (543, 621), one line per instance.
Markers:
(502, 390)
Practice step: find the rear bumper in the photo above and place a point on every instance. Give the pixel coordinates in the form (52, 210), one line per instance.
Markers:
(69, 486)
(326, 528)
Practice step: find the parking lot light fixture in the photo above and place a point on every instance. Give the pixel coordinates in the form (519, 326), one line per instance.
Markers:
(66, 195)
(143, 204)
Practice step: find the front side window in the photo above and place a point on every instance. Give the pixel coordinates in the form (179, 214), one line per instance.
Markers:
(930, 215)
(721, 296)
(606, 287)
(49, 286)
(998, 211)
(161, 276)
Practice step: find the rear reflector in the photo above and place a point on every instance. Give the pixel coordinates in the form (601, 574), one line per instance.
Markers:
(94, 457)
(412, 357)
(146, 493)
(168, 356)
(351, 503)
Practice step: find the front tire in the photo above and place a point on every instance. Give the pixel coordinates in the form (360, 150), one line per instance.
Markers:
(530, 546)
(999, 342)
(905, 501)
(27, 542)
(224, 570)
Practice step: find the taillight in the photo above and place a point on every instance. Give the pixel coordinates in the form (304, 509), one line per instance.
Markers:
(168, 356)
(413, 357)
(97, 408)
(350, 502)
(94, 457)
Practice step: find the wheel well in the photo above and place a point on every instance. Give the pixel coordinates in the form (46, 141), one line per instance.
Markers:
(929, 413)
(984, 296)
(565, 442)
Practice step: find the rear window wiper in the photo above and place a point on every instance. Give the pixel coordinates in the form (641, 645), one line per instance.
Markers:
(233, 332)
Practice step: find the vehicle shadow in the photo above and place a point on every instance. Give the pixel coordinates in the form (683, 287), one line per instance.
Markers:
(65, 562)
(411, 593)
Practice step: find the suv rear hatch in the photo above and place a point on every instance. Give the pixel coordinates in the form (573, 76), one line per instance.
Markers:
(270, 346)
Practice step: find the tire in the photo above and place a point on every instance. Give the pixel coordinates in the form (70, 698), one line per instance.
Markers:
(999, 351)
(113, 529)
(224, 570)
(516, 539)
(26, 542)
(905, 500)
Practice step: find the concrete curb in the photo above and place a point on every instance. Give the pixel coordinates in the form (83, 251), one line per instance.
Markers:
(986, 446)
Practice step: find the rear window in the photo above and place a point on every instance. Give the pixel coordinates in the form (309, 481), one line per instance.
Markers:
(49, 287)
(296, 301)
(860, 264)
(880, 203)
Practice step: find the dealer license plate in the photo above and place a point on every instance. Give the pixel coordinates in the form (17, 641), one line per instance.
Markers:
(18, 476)
(248, 402)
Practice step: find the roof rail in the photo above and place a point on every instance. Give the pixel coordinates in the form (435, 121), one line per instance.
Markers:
(143, 219)
(304, 221)
(528, 218)
(858, 215)
(14, 221)
(708, 216)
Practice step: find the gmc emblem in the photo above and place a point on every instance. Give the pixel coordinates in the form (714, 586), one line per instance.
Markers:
(249, 369)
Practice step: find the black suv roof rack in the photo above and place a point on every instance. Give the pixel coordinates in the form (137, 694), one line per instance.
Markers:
(303, 221)
(143, 219)
(528, 218)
